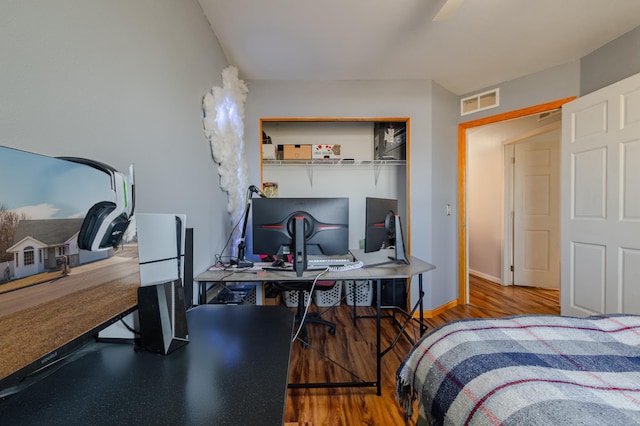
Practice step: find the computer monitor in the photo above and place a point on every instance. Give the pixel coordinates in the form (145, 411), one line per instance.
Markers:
(300, 226)
(378, 213)
(384, 228)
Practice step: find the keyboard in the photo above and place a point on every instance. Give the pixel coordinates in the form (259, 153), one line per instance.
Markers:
(315, 261)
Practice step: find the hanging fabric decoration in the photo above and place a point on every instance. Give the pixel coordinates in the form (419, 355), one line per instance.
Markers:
(224, 127)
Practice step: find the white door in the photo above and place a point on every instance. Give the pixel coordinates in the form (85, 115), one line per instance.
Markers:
(600, 201)
(536, 215)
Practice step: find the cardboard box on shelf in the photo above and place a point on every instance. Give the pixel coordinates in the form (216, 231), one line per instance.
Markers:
(389, 141)
(325, 152)
(268, 151)
(297, 152)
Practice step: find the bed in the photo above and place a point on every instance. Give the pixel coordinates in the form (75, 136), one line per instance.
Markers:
(525, 370)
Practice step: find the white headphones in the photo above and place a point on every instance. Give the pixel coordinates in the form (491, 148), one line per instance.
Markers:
(105, 223)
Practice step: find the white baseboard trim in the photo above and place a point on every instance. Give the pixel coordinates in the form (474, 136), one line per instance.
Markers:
(486, 276)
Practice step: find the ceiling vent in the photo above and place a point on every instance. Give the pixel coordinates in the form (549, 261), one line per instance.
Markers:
(479, 102)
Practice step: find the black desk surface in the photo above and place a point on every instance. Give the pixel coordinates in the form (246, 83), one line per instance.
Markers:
(233, 371)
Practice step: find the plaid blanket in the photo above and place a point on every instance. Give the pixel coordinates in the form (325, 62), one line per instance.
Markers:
(526, 370)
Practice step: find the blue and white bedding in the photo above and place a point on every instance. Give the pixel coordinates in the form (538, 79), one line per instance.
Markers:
(526, 370)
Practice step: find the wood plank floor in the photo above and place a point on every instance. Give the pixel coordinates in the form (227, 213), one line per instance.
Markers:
(353, 348)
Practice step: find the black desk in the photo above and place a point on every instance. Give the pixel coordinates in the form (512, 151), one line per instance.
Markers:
(233, 371)
(376, 273)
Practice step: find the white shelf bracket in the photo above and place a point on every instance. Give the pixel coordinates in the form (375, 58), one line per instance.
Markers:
(376, 172)
(310, 172)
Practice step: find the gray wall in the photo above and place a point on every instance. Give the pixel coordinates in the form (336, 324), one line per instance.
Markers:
(612, 62)
(369, 99)
(444, 173)
(120, 82)
(545, 86)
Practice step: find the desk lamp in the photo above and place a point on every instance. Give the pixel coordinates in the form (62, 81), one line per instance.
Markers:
(241, 262)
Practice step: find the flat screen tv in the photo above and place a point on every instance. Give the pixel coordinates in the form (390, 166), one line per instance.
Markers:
(300, 227)
(64, 232)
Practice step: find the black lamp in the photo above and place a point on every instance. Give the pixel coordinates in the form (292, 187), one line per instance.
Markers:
(241, 262)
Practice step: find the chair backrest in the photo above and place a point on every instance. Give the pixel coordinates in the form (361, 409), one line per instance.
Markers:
(325, 285)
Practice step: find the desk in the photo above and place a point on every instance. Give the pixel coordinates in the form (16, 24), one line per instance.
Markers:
(390, 270)
(224, 376)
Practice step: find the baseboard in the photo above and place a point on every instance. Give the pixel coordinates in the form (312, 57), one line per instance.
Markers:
(486, 276)
(440, 309)
(437, 311)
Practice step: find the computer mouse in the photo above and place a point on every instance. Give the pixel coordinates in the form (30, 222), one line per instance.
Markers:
(278, 263)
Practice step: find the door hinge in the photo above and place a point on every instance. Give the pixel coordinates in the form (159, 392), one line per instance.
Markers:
(511, 268)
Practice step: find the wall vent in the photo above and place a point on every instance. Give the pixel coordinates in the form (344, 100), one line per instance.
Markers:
(480, 101)
(548, 114)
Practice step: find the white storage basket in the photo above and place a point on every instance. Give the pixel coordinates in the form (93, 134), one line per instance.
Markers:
(360, 291)
(291, 298)
(333, 297)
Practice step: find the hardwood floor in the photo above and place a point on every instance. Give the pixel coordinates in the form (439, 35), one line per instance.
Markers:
(354, 347)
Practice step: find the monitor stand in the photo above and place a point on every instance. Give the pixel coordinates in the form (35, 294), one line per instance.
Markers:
(378, 258)
(399, 248)
(299, 245)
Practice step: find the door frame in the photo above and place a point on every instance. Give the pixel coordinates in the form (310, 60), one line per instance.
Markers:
(463, 249)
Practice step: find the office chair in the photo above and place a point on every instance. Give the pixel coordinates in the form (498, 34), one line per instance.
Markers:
(312, 317)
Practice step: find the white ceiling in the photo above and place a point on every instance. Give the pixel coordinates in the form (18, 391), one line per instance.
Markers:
(483, 43)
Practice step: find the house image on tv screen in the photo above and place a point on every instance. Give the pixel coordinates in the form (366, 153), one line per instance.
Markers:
(48, 244)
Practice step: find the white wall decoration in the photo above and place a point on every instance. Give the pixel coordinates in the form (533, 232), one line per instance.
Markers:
(224, 127)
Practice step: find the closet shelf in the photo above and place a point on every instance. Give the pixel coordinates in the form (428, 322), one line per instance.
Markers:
(334, 162)
(311, 164)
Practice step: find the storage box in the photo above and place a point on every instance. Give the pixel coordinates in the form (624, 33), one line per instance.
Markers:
(268, 151)
(296, 152)
(359, 291)
(291, 298)
(390, 141)
(325, 298)
(325, 152)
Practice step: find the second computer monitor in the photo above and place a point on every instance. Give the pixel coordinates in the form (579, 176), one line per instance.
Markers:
(300, 226)
(384, 228)
(379, 214)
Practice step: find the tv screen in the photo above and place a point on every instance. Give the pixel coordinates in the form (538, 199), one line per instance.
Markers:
(300, 226)
(51, 285)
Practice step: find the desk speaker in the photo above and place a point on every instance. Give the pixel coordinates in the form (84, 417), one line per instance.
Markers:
(162, 317)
